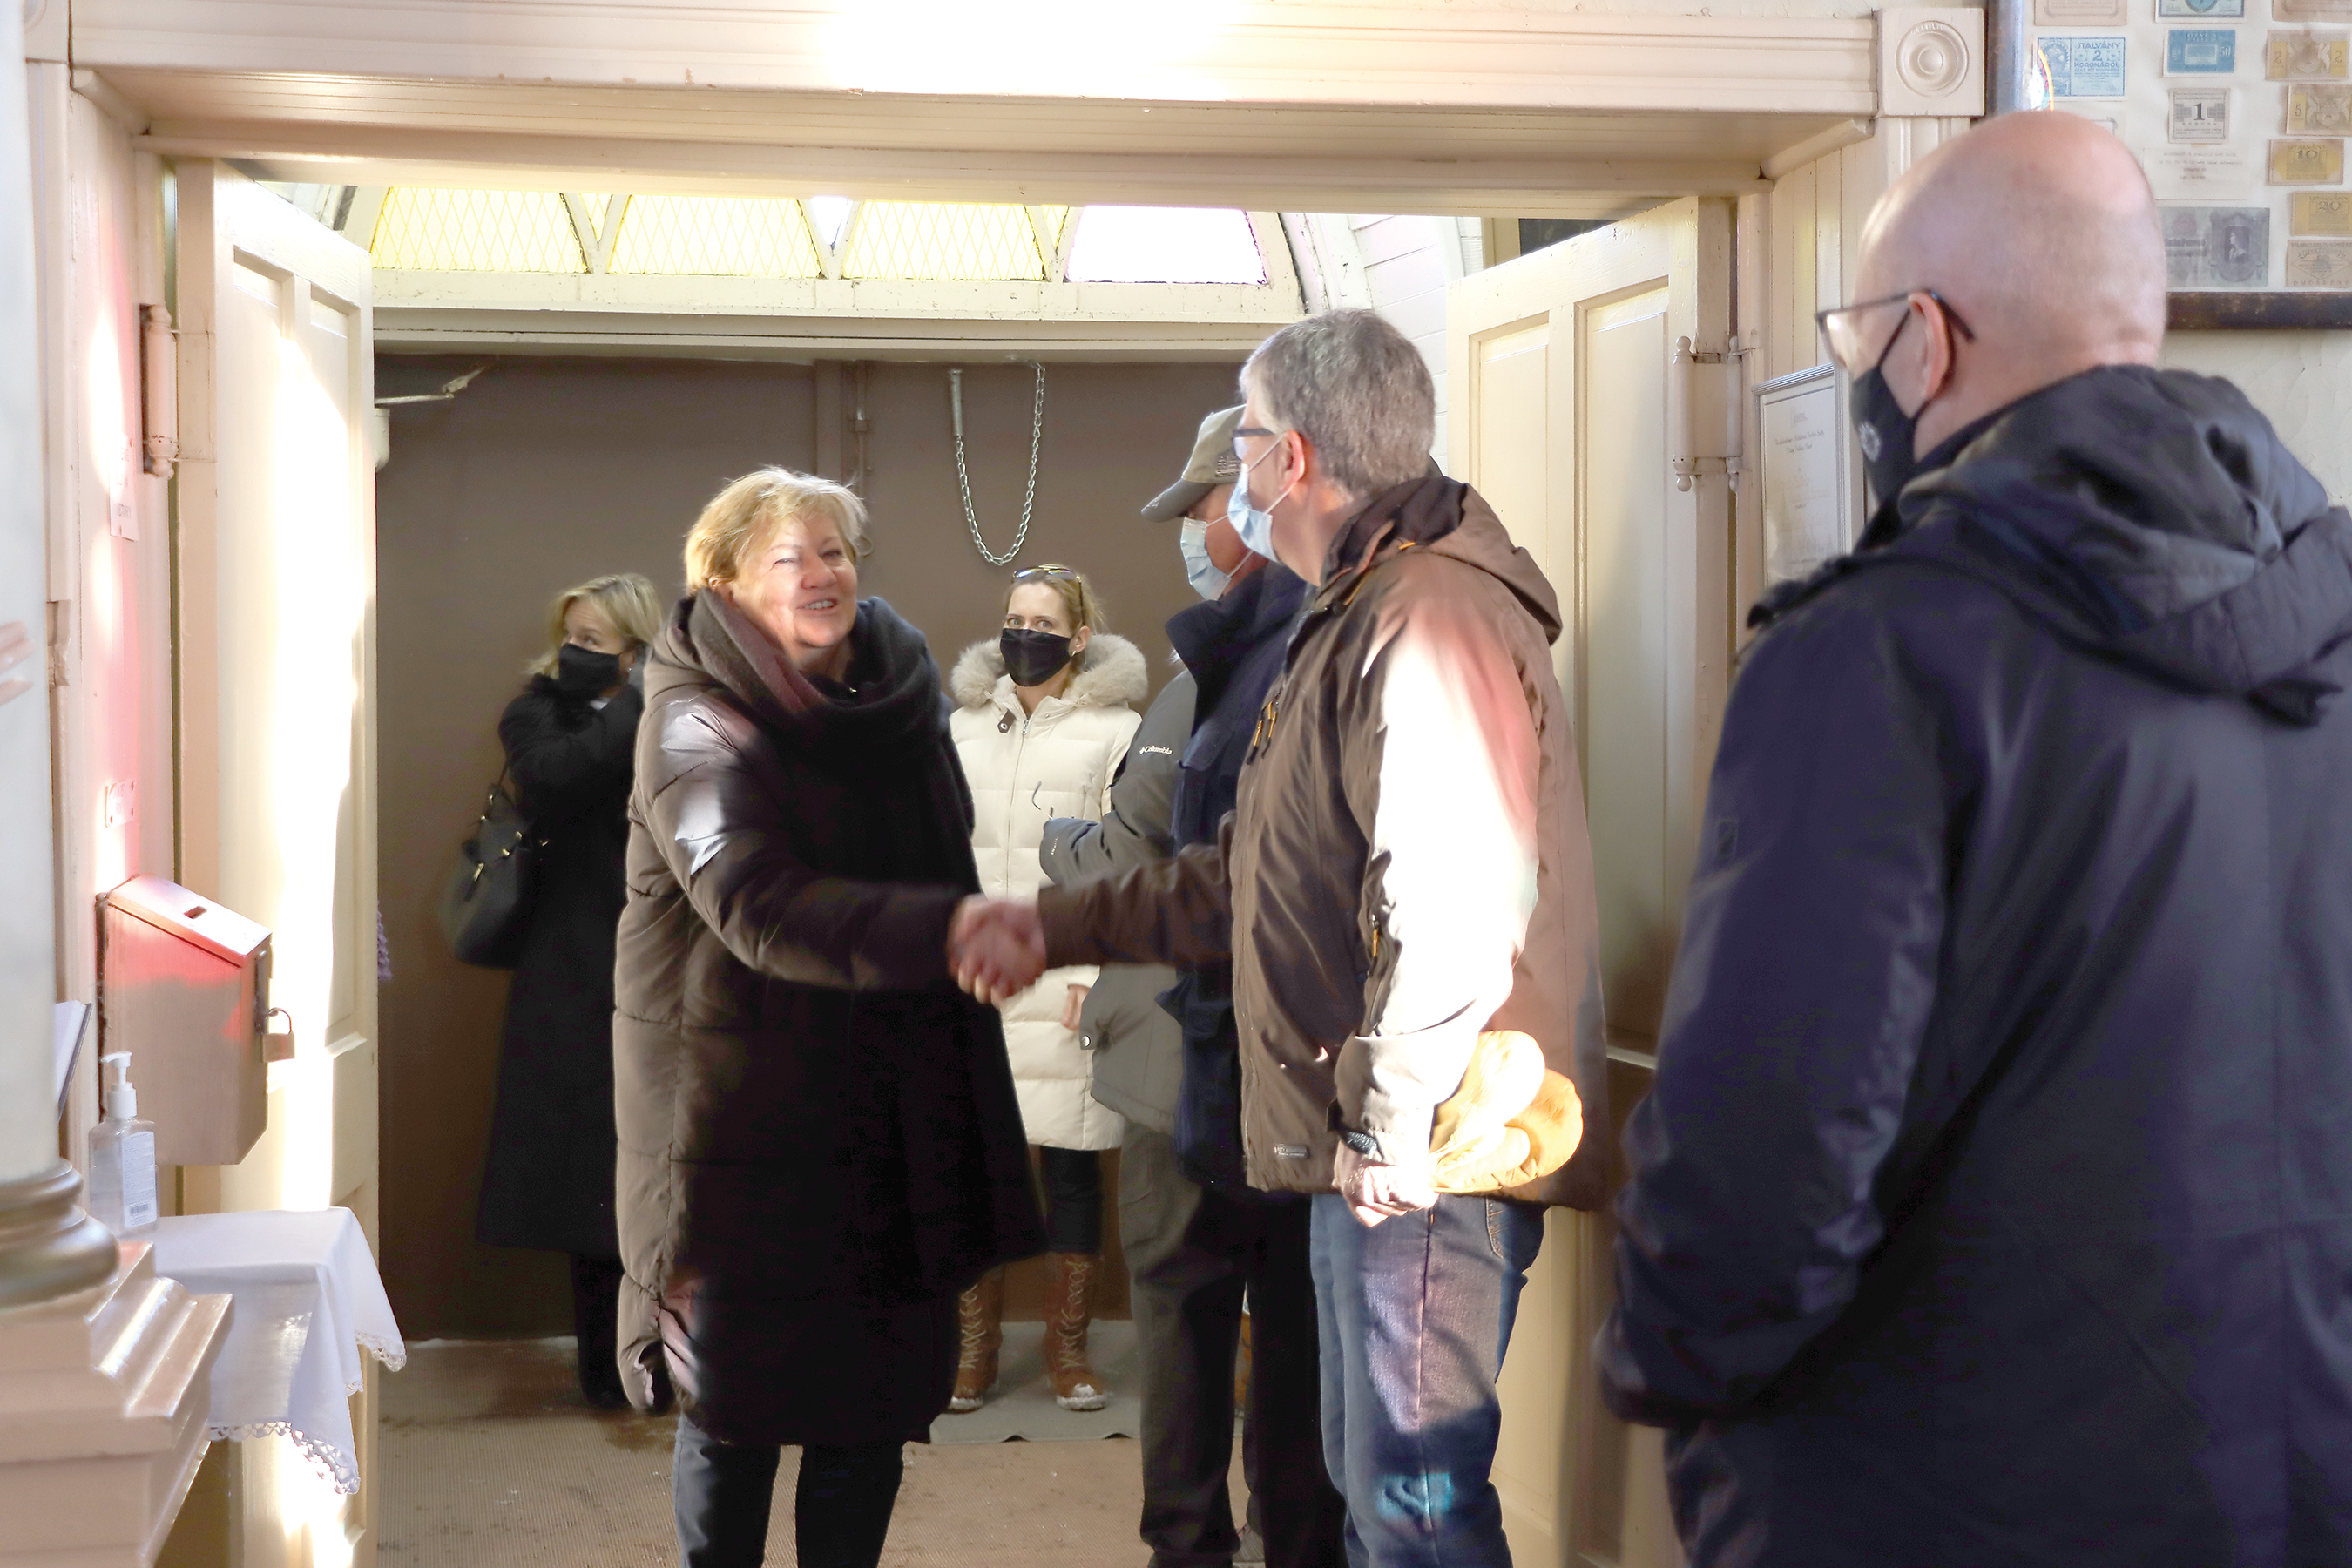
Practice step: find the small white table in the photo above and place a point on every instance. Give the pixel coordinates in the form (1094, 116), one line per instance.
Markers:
(309, 1300)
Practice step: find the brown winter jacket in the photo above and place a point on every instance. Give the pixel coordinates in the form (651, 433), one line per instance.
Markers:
(1409, 863)
(815, 1124)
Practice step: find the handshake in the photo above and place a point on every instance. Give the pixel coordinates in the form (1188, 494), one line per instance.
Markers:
(996, 947)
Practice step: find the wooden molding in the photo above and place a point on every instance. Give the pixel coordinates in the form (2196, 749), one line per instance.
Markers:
(1533, 54)
(2265, 311)
(1837, 138)
(1271, 303)
(670, 335)
(1563, 187)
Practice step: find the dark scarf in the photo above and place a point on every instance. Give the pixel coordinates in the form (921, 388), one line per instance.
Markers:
(956, 1121)
(884, 721)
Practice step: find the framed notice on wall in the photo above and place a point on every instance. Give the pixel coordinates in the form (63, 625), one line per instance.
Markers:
(2239, 111)
(1806, 478)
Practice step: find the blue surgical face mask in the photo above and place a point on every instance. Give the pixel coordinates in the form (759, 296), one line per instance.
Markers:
(1199, 570)
(1255, 525)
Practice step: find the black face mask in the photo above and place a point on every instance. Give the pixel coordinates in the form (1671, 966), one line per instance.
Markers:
(1033, 658)
(1884, 430)
(579, 672)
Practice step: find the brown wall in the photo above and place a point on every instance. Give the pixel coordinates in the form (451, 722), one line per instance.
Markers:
(546, 471)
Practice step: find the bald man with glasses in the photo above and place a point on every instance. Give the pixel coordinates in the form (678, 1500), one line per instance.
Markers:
(1993, 1203)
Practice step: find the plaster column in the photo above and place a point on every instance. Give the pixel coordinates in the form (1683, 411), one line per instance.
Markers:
(48, 1247)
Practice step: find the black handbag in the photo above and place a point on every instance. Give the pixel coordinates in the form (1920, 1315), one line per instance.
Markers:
(485, 902)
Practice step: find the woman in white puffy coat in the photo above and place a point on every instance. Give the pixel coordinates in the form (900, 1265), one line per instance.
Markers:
(1043, 714)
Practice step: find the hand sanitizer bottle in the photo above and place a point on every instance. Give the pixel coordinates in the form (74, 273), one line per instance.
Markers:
(121, 1155)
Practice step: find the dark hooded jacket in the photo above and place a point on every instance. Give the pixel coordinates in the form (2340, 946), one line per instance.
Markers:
(1236, 645)
(819, 1145)
(1407, 864)
(1994, 1200)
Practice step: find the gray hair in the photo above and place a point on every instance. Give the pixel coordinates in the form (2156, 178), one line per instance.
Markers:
(1356, 389)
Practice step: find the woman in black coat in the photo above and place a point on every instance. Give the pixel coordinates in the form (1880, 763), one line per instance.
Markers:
(820, 1146)
(571, 740)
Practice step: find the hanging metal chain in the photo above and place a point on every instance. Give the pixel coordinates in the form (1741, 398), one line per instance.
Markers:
(963, 478)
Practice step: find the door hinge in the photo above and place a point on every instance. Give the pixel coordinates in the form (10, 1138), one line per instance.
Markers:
(1703, 412)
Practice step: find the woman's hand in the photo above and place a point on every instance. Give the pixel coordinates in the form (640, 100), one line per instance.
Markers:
(1074, 1006)
(996, 947)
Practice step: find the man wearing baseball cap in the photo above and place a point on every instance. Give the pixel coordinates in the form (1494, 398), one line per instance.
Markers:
(1196, 1235)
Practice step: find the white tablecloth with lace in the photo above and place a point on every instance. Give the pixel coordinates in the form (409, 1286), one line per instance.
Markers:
(308, 1302)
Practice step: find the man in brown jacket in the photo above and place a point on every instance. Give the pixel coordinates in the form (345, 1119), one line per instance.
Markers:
(1408, 866)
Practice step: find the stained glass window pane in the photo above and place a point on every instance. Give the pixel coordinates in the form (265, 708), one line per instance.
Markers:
(719, 237)
(945, 241)
(476, 231)
(1165, 245)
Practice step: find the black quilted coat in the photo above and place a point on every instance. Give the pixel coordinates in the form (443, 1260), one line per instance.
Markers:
(548, 1180)
(819, 1145)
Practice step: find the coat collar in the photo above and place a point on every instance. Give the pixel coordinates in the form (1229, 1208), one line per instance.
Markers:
(1112, 674)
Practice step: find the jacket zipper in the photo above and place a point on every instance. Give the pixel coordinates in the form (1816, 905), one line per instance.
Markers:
(1013, 804)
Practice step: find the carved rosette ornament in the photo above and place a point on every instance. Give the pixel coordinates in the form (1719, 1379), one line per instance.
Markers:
(1931, 62)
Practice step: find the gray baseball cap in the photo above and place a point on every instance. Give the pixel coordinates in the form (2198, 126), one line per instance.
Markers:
(1212, 463)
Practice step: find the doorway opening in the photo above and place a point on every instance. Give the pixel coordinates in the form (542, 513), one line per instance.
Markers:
(568, 421)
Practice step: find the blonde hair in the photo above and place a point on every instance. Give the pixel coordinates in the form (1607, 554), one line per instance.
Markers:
(1078, 595)
(625, 599)
(749, 511)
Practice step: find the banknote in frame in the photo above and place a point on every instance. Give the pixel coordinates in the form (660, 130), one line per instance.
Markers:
(2311, 161)
(2200, 51)
(2084, 68)
(2083, 13)
(2306, 56)
(2191, 10)
(2199, 114)
(2319, 109)
(2311, 10)
(2323, 213)
(2318, 264)
(2216, 247)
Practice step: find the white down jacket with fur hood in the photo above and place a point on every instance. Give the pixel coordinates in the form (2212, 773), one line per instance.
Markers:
(1025, 769)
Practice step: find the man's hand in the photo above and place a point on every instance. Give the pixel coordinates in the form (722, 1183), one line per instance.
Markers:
(996, 947)
(1073, 1009)
(1375, 1193)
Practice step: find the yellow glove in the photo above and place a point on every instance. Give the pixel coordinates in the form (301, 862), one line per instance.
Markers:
(1512, 1120)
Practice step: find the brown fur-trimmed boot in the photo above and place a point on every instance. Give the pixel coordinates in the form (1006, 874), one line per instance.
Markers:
(1069, 1308)
(980, 1315)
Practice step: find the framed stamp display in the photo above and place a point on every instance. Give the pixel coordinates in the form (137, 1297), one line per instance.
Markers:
(2240, 111)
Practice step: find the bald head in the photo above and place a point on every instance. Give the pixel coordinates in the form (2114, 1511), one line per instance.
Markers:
(2040, 232)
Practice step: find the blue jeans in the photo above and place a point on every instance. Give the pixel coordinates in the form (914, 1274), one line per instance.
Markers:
(1415, 1315)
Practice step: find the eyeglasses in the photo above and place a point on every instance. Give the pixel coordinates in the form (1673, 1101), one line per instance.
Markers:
(1841, 326)
(1241, 451)
(1049, 570)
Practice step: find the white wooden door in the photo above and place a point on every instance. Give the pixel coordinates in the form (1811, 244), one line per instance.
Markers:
(276, 634)
(1558, 371)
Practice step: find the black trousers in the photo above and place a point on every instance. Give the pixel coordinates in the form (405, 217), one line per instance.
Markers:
(595, 1320)
(723, 1493)
(1191, 1254)
(1074, 1198)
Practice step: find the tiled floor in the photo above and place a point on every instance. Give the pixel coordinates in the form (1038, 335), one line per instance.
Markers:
(490, 1458)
